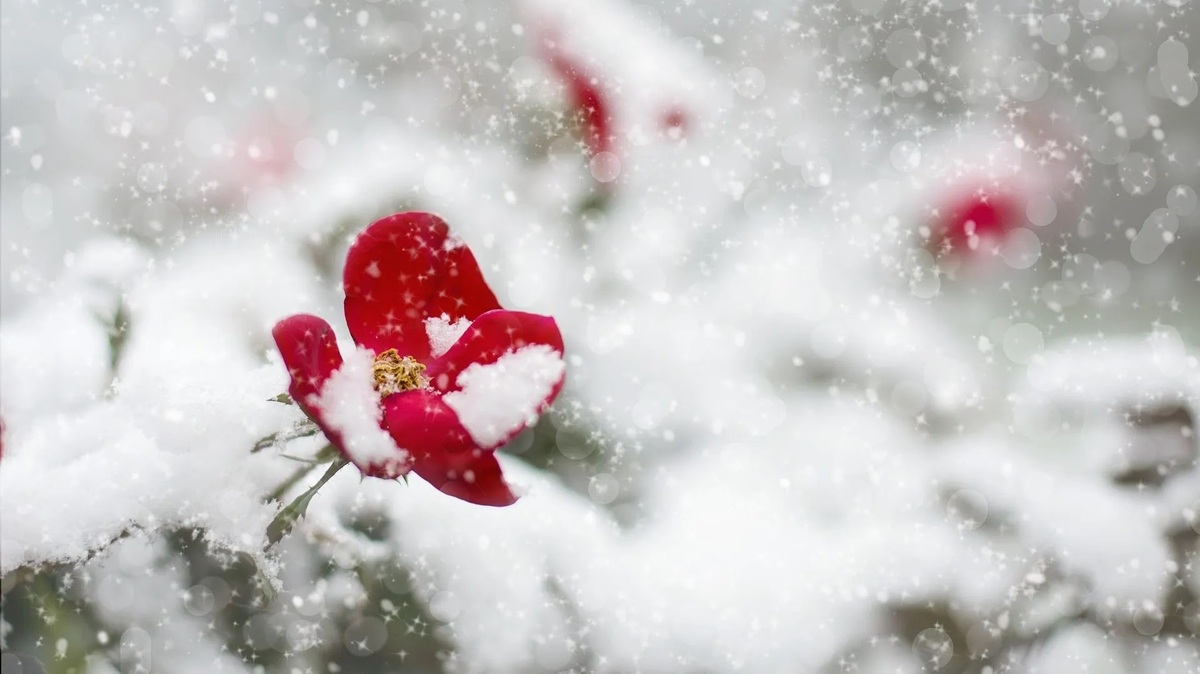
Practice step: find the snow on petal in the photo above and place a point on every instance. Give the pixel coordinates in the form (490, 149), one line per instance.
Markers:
(443, 333)
(498, 398)
(350, 407)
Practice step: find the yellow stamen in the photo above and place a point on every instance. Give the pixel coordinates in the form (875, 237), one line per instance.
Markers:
(394, 373)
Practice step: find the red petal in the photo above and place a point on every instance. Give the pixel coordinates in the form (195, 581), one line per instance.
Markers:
(478, 480)
(403, 269)
(991, 217)
(442, 451)
(309, 349)
(310, 352)
(587, 99)
(492, 335)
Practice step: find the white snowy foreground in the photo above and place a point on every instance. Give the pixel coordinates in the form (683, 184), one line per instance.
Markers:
(815, 419)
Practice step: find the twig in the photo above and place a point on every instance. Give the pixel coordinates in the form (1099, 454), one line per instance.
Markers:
(303, 430)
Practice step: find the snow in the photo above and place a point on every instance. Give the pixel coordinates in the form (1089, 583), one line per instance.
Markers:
(495, 399)
(187, 644)
(443, 334)
(168, 444)
(351, 406)
(1123, 571)
(553, 546)
(1153, 370)
(794, 437)
(1076, 650)
(74, 485)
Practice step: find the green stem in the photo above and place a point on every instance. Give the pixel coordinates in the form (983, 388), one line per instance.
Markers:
(327, 453)
(293, 511)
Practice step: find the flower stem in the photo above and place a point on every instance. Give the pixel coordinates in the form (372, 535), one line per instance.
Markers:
(325, 455)
(292, 512)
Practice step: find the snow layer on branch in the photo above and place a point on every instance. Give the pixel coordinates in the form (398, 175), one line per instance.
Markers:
(633, 356)
(840, 320)
(351, 406)
(71, 487)
(1087, 525)
(170, 445)
(55, 355)
(497, 398)
(53, 360)
(1148, 371)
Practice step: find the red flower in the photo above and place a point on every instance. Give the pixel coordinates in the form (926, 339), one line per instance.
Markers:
(674, 122)
(443, 375)
(587, 98)
(974, 219)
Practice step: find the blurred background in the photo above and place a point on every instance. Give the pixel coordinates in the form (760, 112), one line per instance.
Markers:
(881, 317)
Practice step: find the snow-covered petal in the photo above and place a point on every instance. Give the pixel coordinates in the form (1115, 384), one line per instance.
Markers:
(495, 401)
(490, 336)
(349, 406)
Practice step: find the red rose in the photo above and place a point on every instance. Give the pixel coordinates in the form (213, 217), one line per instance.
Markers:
(442, 377)
(975, 219)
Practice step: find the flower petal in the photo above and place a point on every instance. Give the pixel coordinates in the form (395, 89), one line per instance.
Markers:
(490, 336)
(349, 406)
(974, 218)
(442, 451)
(310, 352)
(504, 371)
(587, 99)
(477, 479)
(403, 269)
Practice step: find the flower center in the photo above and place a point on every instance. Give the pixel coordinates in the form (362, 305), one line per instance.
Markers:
(393, 373)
